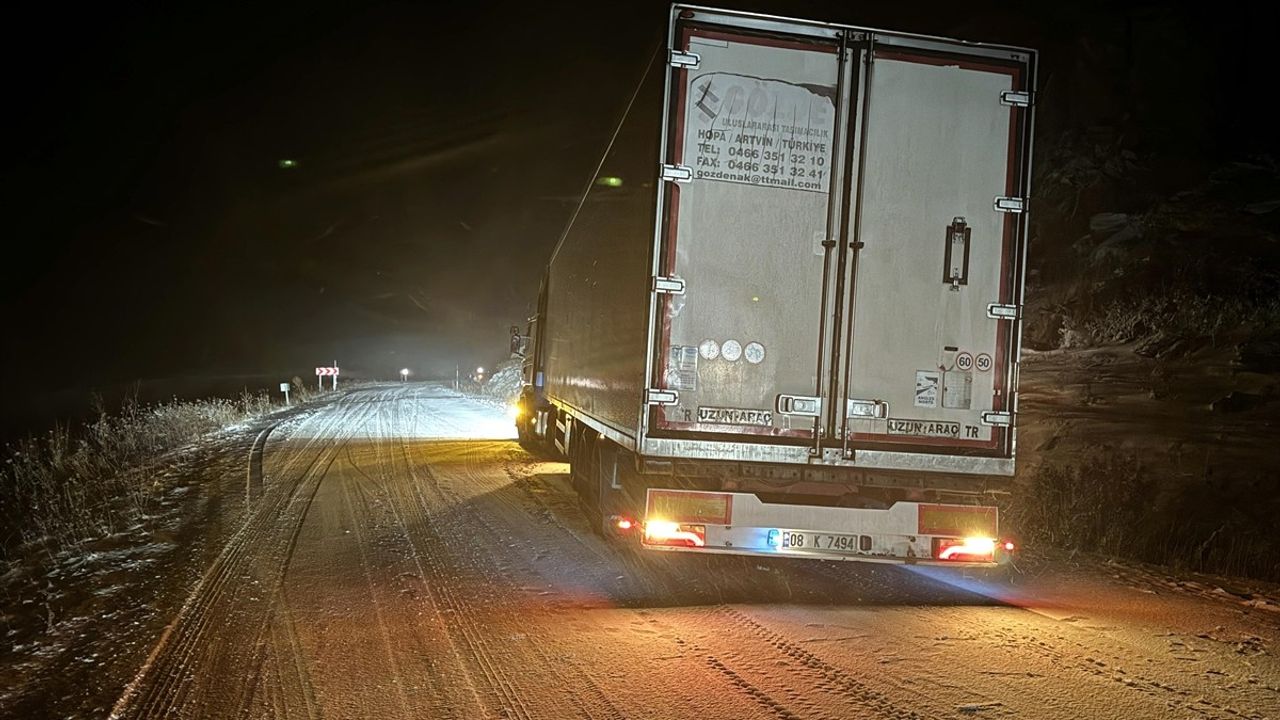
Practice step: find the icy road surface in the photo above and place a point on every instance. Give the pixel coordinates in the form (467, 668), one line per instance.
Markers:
(404, 558)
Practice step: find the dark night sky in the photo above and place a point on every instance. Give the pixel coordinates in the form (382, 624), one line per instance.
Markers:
(150, 232)
(159, 236)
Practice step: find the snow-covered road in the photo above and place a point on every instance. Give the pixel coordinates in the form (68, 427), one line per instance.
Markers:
(404, 558)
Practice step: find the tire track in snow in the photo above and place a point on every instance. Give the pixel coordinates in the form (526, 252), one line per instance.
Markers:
(791, 700)
(466, 637)
(1047, 647)
(162, 687)
(397, 675)
(828, 678)
(580, 680)
(584, 692)
(278, 617)
(261, 649)
(192, 620)
(294, 667)
(464, 627)
(392, 490)
(760, 696)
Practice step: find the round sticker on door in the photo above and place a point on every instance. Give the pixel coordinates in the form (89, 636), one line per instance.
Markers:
(754, 352)
(731, 350)
(964, 361)
(983, 362)
(709, 349)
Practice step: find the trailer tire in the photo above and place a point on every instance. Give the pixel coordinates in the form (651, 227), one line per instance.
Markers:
(1006, 574)
(523, 435)
(595, 518)
(582, 473)
(621, 492)
(603, 458)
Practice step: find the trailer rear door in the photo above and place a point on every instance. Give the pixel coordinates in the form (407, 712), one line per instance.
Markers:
(755, 123)
(931, 358)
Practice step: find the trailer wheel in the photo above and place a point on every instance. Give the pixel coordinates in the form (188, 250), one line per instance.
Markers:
(595, 518)
(527, 433)
(584, 468)
(616, 481)
(603, 464)
(1003, 575)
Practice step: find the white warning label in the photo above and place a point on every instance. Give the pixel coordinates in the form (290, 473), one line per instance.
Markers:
(928, 388)
(682, 368)
(957, 390)
(759, 132)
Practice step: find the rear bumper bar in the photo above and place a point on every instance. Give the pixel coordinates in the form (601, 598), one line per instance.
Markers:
(740, 524)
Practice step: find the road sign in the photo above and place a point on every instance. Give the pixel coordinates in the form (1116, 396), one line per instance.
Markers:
(331, 371)
(984, 362)
(964, 361)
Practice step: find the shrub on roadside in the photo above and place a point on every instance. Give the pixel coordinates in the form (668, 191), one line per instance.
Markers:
(1099, 504)
(1111, 503)
(65, 486)
(505, 383)
(1179, 314)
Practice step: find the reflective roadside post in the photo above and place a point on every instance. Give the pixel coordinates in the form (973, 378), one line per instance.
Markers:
(404, 375)
(284, 388)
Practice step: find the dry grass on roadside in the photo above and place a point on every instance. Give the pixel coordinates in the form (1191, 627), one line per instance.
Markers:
(1179, 314)
(71, 485)
(1112, 503)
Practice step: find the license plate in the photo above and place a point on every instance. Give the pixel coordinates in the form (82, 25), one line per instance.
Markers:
(820, 542)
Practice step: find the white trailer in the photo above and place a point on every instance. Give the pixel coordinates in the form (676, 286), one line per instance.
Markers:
(785, 318)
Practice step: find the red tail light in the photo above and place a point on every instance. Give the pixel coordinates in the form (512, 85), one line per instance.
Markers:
(661, 532)
(974, 549)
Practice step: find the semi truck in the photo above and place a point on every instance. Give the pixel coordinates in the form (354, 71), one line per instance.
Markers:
(785, 317)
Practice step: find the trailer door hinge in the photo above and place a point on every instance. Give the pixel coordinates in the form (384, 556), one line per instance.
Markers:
(670, 285)
(798, 405)
(1015, 98)
(1001, 311)
(1010, 204)
(997, 419)
(677, 173)
(659, 396)
(684, 59)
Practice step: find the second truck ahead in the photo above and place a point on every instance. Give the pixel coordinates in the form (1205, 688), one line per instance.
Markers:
(785, 317)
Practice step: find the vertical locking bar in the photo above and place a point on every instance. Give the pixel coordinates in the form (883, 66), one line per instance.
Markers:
(828, 247)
